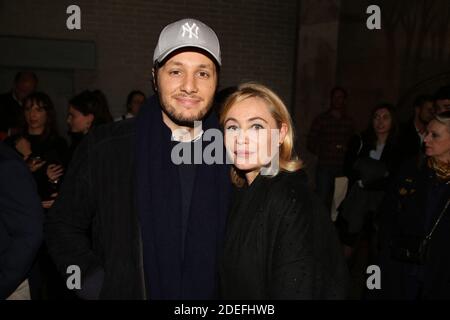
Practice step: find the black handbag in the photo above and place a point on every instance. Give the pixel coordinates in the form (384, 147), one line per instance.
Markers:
(409, 249)
(370, 170)
(413, 249)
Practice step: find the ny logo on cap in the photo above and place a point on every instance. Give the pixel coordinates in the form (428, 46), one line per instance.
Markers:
(191, 30)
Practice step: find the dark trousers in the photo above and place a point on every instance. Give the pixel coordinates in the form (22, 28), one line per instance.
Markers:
(45, 281)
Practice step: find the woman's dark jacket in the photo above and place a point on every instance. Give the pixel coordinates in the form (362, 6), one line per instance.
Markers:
(409, 211)
(280, 244)
(359, 147)
(357, 207)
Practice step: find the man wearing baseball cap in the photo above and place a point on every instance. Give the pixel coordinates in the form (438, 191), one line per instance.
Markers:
(138, 225)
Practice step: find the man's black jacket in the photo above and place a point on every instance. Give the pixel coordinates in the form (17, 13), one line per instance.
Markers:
(93, 223)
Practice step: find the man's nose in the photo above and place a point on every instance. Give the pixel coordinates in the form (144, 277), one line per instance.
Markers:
(189, 84)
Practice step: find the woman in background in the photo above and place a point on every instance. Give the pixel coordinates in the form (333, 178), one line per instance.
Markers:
(86, 111)
(135, 100)
(371, 161)
(46, 155)
(414, 233)
(41, 146)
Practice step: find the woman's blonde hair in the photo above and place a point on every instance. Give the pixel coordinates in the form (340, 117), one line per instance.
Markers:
(288, 161)
(444, 118)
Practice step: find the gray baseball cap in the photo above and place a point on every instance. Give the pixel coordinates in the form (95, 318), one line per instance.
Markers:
(187, 33)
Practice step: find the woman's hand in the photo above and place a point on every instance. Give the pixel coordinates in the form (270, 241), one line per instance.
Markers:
(54, 172)
(24, 147)
(49, 203)
(35, 164)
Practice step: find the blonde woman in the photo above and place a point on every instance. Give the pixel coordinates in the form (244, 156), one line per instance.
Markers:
(415, 223)
(280, 243)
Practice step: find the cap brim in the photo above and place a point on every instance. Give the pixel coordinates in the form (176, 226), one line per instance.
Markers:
(166, 54)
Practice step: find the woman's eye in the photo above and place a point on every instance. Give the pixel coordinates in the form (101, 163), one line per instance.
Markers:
(231, 128)
(257, 126)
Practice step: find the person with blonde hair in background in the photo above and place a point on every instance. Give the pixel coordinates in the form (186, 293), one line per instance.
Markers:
(414, 256)
(280, 243)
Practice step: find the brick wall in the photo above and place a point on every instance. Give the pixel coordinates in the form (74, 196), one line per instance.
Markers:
(257, 38)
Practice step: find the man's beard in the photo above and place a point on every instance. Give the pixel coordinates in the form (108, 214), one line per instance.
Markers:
(179, 119)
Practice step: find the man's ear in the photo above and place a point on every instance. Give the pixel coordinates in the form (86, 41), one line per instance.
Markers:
(155, 87)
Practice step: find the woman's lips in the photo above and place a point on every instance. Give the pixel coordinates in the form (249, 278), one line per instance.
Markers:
(243, 154)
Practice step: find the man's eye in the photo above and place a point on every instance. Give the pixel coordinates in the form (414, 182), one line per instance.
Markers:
(203, 74)
(175, 72)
